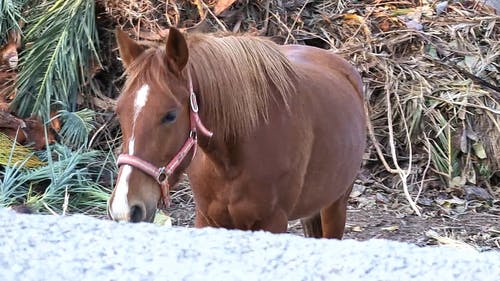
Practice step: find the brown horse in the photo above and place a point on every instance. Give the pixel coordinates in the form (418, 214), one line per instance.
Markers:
(288, 132)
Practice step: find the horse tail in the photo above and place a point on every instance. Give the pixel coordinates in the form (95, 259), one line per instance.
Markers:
(312, 226)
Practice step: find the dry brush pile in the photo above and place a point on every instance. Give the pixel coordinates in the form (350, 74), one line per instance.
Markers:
(430, 71)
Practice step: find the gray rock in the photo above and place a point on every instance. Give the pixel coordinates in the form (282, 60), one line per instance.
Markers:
(36, 247)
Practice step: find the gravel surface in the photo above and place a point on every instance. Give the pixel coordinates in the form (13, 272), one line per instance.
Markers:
(36, 247)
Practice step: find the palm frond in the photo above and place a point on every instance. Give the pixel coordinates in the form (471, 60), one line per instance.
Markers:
(12, 153)
(444, 156)
(75, 173)
(12, 187)
(62, 40)
(77, 126)
(10, 15)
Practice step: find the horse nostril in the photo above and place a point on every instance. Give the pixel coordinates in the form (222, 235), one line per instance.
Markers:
(137, 213)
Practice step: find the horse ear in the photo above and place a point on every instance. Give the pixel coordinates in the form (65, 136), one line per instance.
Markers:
(129, 49)
(177, 49)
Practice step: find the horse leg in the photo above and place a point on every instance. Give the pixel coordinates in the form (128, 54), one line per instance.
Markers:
(312, 226)
(333, 217)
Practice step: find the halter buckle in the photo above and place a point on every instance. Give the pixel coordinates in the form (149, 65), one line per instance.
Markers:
(162, 175)
(193, 134)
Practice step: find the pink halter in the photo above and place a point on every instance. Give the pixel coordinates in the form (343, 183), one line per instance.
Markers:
(161, 174)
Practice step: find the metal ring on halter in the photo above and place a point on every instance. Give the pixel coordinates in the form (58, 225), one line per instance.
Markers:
(162, 175)
(193, 134)
(193, 102)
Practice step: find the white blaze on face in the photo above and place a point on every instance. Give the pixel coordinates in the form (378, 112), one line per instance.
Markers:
(141, 97)
(120, 210)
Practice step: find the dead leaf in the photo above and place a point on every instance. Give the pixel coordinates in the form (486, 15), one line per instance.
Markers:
(457, 182)
(448, 203)
(357, 190)
(425, 201)
(55, 122)
(479, 150)
(441, 7)
(413, 24)
(470, 174)
(385, 25)
(222, 5)
(477, 193)
(379, 197)
(471, 134)
(390, 228)
(356, 19)
(357, 229)
(161, 218)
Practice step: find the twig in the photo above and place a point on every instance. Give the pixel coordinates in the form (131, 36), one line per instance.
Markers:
(104, 126)
(388, 168)
(221, 24)
(376, 144)
(480, 81)
(278, 20)
(361, 24)
(166, 13)
(266, 18)
(295, 21)
(402, 174)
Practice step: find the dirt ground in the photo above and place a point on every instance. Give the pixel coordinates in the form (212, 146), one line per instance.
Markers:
(382, 213)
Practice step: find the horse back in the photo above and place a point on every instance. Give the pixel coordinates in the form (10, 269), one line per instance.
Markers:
(330, 94)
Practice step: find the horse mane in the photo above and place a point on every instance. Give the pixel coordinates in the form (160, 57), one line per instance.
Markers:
(238, 79)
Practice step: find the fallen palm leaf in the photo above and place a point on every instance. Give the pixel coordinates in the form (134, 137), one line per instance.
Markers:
(12, 153)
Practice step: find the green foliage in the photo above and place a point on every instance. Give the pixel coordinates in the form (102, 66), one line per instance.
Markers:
(10, 187)
(10, 15)
(77, 126)
(72, 174)
(61, 40)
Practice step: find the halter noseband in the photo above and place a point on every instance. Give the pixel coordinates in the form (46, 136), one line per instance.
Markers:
(161, 174)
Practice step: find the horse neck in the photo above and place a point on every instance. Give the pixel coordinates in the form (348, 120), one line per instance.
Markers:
(222, 156)
(222, 152)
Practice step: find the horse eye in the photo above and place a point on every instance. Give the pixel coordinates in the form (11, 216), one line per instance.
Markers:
(169, 117)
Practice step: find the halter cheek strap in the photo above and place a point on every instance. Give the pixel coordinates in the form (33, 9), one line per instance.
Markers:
(162, 174)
